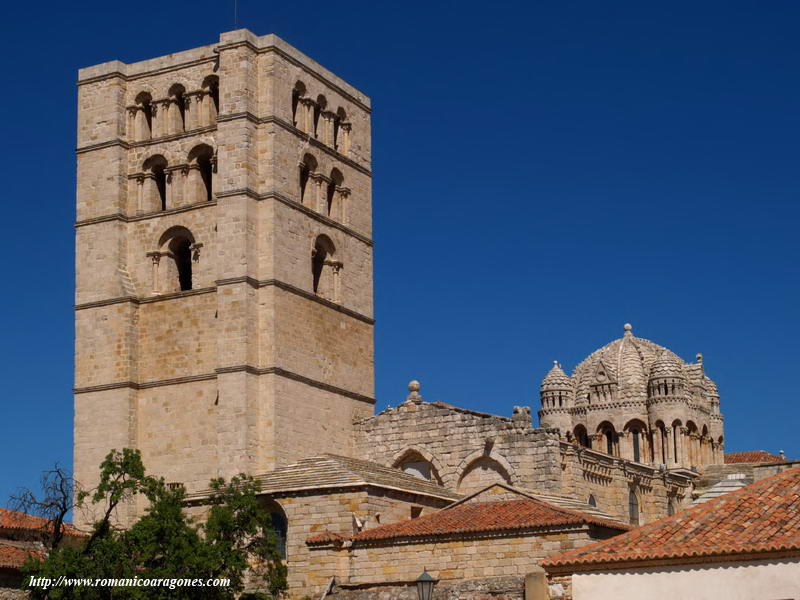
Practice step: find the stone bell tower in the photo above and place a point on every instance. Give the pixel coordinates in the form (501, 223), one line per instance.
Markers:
(223, 307)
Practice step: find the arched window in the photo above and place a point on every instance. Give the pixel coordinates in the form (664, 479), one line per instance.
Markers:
(637, 452)
(324, 268)
(177, 108)
(581, 436)
(333, 201)
(181, 250)
(307, 167)
(341, 117)
(610, 436)
(143, 119)
(279, 528)
(661, 442)
(676, 431)
(481, 472)
(210, 110)
(155, 184)
(633, 508)
(299, 91)
(201, 174)
(277, 525)
(175, 260)
(592, 501)
(320, 105)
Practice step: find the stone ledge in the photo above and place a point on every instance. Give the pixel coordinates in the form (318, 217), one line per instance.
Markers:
(249, 369)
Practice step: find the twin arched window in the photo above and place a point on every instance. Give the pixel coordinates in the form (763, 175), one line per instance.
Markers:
(162, 186)
(314, 117)
(325, 194)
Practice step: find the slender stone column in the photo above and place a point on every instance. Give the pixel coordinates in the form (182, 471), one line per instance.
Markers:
(156, 258)
(344, 146)
(343, 201)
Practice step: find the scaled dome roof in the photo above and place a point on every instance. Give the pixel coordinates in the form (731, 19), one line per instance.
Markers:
(556, 380)
(626, 362)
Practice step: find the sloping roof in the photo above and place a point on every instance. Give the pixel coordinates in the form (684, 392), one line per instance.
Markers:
(13, 557)
(331, 471)
(752, 456)
(523, 513)
(759, 518)
(731, 483)
(12, 519)
(490, 492)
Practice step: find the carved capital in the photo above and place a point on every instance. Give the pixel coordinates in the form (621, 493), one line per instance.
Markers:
(195, 248)
(155, 257)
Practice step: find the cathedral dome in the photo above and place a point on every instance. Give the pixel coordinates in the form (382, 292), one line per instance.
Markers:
(620, 370)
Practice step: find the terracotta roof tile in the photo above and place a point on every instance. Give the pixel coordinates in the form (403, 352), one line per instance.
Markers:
(13, 557)
(12, 519)
(752, 456)
(761, 517)
(325, 537)
(478, 517)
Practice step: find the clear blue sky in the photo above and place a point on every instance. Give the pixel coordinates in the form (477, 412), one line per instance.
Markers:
(543, 173)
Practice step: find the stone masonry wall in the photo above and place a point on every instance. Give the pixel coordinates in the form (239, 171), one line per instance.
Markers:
(469, 450)
(505, 588)
(456, 559)
(457, 442)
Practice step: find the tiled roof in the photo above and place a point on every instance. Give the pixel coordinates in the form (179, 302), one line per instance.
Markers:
(477, 517)
(761, 517)
(752, 456)
(331, 471)
(12, 519)
(13, 557)
(325, 537)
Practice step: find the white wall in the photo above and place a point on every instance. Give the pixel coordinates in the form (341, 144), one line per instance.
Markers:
(762, 580)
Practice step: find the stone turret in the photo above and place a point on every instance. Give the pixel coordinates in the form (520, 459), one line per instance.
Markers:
(557, 397)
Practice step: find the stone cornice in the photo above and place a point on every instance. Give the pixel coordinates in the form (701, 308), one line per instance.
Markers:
(245, 191)
(145, 216)
(297, 63)
(255, 283)
(150, 73)
(312, 141)
(249, 369)
(288, 287)
(171, 137)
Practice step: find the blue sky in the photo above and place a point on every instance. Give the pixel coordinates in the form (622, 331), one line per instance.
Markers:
(543, 173)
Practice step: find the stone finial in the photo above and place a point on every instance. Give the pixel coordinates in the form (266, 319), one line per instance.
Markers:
(413, 392)
(628, 329)
(699, 358)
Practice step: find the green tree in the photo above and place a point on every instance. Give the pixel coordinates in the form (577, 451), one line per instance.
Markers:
(234, 541)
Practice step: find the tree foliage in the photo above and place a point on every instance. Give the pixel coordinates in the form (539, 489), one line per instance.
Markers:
(234, 541)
